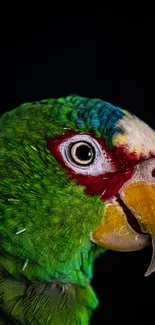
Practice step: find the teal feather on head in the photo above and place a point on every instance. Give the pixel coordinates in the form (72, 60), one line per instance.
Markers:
(95, 115)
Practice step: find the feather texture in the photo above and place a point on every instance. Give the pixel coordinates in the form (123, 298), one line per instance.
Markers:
(46, 256)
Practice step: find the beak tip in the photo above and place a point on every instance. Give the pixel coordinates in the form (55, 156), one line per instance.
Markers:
(147, 274)
(151, 268)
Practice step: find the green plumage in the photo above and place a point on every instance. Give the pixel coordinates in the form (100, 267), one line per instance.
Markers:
(46, 256)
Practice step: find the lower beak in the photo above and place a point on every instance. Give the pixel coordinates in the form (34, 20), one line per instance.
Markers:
(116, 232)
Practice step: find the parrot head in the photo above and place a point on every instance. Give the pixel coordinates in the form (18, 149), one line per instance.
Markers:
(112, 155)
(77, 176)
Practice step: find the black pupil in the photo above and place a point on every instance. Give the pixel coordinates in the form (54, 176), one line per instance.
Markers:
(84, 152)
(153, 173)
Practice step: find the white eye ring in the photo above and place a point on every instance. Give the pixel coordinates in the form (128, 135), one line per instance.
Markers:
(83, 149)
(99, 162)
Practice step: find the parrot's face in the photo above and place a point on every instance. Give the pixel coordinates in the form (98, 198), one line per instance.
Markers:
(122, 175)
(74, 172)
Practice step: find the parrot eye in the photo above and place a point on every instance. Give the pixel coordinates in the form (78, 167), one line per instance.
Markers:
(82, 153)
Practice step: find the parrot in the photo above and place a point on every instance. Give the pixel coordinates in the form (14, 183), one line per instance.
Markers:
(77, 179)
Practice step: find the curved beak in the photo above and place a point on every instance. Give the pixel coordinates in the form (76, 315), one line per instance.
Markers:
(141, 199)
(117, 231)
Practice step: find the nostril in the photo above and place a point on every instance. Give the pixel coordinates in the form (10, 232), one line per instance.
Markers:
(153, 172)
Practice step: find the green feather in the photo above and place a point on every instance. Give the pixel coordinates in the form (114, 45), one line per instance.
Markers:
(46, 256)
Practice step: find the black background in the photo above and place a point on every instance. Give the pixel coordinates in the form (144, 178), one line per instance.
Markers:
(96, 55)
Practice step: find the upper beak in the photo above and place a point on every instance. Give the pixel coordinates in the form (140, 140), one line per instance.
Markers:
(137, 197)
